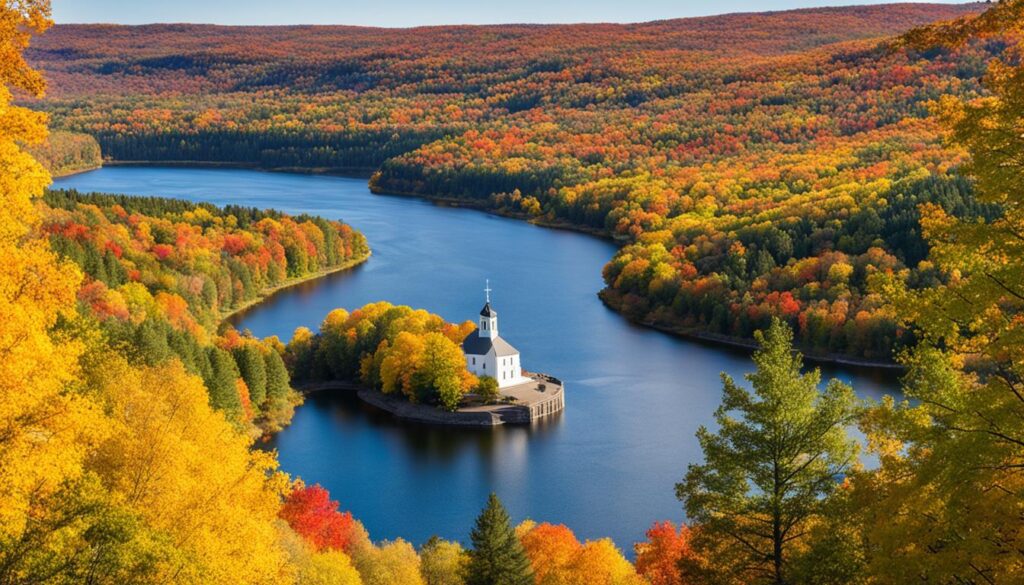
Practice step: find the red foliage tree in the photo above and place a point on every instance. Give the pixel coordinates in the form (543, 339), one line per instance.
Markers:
(311, 512)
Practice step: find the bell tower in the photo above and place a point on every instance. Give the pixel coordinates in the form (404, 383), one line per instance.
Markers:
(488, 316)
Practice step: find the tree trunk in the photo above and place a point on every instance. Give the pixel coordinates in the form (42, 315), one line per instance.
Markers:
(777, 528)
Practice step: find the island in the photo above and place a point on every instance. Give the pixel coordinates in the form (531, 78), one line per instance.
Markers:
(538, 397)
(409, 365)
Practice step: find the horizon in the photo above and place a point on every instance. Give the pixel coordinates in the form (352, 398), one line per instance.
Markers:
(401, 14)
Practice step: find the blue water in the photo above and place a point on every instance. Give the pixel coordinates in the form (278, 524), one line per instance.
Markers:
(635, 397)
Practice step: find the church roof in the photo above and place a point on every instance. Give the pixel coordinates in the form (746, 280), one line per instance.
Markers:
(477, 345)
(487, 311)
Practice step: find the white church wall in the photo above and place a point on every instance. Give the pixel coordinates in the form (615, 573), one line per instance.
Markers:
(483, 365)
(505, 369)
(510, 373)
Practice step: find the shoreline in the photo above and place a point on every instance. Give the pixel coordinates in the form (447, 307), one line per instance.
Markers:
(348, 172)
(478, 205)
(269, 292)
(480, 416)
(396, 407)
(73, 172)
(750, 345)
(428, 415)
(677, 331)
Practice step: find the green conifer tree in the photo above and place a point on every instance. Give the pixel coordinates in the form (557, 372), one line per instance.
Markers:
(148, 343)
(779, 452)
(221, 385)
(498, 557)
(254, 371)
(278, 384)
(116, 274)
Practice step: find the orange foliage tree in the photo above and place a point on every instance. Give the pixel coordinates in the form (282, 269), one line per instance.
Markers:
(658, 559)
(558, 558)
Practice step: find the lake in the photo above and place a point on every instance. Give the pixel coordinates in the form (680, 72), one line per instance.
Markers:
(634, 397)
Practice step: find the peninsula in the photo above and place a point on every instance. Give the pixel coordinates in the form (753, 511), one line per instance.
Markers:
(420, 368)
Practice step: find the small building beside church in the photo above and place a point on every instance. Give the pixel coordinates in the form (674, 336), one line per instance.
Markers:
(487, 354)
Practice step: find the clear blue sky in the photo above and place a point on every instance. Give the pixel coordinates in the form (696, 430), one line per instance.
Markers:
(401, 13)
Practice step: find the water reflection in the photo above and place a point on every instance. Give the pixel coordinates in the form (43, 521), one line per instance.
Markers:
(431, 444)
(302, 291)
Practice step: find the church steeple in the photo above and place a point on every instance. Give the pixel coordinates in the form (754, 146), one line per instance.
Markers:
(488, 316)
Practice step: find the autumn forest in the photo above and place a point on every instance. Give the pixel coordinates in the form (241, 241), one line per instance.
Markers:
(750, 169)
(836, 183)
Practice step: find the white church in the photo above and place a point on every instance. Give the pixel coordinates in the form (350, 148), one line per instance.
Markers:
(487, 354)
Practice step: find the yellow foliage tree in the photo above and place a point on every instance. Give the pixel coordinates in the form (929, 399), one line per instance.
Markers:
(443, 562)
(329, 567)
(400, 363)
(444, 367)
(45, 429)
(599, 562)
(190, 475)
(947, 502)
(391, 563)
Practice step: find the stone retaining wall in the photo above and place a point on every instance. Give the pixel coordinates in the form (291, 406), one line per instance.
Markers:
(549, 407)
(522, 412)
(422, 413)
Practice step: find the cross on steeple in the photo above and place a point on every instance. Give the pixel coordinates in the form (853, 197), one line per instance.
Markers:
(487, 290)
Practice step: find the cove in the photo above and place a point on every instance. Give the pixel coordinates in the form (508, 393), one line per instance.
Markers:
(634, 397)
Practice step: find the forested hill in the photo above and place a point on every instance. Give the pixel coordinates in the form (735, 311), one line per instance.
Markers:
(753, 164)
(75, 52)
(351, 96)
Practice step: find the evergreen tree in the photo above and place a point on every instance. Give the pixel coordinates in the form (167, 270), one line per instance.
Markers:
(148, 343)
(254, 371)
(93, 263)
(221, 383)
(278, 384)
(116, 275)
(187, 348)
(779, 452)
(498, 557)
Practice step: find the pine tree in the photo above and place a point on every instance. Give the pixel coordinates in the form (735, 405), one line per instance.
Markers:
(498, 557)
(254, 371)
(149, 343)
(778, 453)
(221, 385)
(278, 384)
(116, 275)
